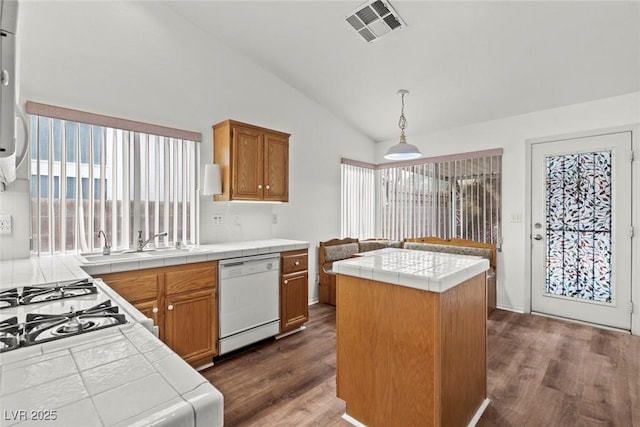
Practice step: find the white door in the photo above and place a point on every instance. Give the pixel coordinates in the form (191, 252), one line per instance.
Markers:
(581, 229)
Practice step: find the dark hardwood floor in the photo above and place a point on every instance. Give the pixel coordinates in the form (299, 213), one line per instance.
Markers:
(541, 372)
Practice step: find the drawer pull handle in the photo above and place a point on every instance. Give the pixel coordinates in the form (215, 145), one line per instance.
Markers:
(296, 263)
(155, 310)
(170, 307)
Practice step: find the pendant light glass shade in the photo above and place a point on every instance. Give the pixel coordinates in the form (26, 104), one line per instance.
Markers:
(212, 180)
(402, 150)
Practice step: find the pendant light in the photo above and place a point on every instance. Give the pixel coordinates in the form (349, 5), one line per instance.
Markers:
(402, 150)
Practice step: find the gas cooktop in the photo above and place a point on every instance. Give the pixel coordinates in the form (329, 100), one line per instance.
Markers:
(31, 315)
(48, 292)
(40, 328)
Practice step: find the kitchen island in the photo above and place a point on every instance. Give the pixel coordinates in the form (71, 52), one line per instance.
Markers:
(411, 338)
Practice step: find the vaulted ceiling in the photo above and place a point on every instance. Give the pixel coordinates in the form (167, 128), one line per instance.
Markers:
(463, 62)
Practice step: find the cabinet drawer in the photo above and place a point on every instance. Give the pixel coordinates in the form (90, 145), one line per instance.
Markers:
(134, 286)
(186, 279)
(294, 261)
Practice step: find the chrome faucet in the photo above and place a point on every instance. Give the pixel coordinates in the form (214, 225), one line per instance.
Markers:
(106, 249)
(142, 243)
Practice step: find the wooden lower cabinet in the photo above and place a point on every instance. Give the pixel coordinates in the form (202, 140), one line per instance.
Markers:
(294, 290)
(191, 324)
(151, 310)
(182, 300)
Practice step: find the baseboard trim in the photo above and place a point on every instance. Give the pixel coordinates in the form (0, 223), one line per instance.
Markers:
(514, 310)
(479, 413)
(580, 322)
(348, 418)
(294, 331)
(476, 417)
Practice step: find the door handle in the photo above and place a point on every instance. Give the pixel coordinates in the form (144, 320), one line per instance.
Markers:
(538, 237)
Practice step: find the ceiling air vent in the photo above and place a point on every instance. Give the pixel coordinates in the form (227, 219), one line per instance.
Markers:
(374, 19)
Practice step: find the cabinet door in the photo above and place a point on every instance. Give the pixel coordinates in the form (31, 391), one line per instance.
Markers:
(276, 168)
(247, 164)
(191, 324)
(151, 309)
(294, 300)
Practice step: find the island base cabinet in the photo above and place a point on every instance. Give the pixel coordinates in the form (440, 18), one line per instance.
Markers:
(406, 356)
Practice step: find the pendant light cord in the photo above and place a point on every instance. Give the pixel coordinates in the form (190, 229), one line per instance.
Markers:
(402, 123)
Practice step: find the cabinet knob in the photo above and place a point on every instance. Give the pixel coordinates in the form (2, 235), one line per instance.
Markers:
(259, 186)
(154, 310)
(267, 187)
(296, 262)
(170, 307)
(286, 281)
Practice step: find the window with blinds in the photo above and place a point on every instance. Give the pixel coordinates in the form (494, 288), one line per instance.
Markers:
(454, 196)
(358, 200)
(102, 175)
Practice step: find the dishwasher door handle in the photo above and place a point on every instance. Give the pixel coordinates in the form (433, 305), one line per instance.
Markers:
(233, 264)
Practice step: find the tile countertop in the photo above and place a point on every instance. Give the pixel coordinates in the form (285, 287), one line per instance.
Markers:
(429, 271)
(33, 271)
(119, 376)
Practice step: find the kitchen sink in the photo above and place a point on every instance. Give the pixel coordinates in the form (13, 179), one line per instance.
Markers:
(114, 256)
(135, 255)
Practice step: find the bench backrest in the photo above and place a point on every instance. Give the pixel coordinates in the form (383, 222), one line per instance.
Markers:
(374, 244)
(337, 249)
(456, 246)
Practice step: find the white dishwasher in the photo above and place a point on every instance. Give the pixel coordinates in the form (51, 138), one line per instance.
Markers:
(249, 298)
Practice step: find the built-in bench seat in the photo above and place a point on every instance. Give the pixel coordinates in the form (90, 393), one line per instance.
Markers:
(462, 247)
(339, 249)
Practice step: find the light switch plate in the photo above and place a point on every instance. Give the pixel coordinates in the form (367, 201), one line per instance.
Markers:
(5, 224)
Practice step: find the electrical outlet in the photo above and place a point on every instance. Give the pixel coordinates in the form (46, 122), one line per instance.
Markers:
(275, 218)
(5, 224)
(237, 220)
(217, 219)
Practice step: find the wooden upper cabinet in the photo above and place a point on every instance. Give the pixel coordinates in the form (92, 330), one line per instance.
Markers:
(247, 163)
(276, 167)
(254, 161)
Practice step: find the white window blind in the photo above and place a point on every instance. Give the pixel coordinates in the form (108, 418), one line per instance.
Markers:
(455, 196)
(358, 200)
(90, 177)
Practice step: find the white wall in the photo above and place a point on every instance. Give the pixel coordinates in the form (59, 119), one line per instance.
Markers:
(510, 134)
(140, 61)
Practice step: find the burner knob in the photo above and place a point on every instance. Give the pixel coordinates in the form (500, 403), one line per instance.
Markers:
(170, 307)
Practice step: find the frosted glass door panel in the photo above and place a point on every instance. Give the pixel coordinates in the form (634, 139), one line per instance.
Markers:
(579, 226)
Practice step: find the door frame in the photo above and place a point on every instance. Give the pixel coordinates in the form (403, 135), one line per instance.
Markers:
(634, 129)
